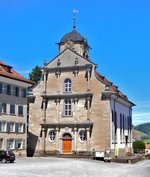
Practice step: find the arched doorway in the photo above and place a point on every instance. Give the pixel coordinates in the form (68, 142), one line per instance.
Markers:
(66, 143)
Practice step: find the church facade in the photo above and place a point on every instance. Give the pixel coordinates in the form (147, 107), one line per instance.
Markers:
(74, 108)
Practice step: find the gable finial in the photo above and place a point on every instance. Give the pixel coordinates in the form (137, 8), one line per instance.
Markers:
(75, 11)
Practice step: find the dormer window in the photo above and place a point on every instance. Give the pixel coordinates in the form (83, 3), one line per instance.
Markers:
(7, 68)
(67, 85)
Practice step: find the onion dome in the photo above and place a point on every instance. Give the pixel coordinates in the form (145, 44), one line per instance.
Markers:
(73, 36)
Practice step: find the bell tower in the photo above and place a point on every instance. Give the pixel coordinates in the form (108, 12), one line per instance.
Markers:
(75, 41)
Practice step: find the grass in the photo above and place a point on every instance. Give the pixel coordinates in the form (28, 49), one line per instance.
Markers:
(146, 141)
(139, 133)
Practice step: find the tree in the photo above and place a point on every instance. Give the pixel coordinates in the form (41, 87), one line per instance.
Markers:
(138, 146)
(35, 75)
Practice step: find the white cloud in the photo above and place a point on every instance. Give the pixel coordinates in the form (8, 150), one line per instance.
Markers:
(141, 113)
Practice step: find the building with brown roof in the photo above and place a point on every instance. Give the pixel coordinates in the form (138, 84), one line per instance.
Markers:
(74, 108)
(13, 109)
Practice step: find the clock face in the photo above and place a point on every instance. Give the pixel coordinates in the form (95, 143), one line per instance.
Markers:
(69, 44)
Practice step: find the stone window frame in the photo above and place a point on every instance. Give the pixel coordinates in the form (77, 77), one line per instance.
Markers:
(52, 135)
(13, 90)
(3, 126)
(22, 92)
(82, 135)
(67, 109)
(11, 143)
(20, 110)
(67, 85)
(19, 143)
(12, 109)
(20, 127)
(4, 88)
(3, 108)
(12, 127)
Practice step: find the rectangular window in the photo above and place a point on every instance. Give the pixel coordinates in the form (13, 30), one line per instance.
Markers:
(19, 144)
(1, 143)
(11, 144)
(20, 110)
(3, 126)
(12, 109)
(67, 107)
(17, 91)
(12, 127)
(4, 88)
(13, 90)
(20, 127)
(23, 93)
(8, 90)
(3, 108)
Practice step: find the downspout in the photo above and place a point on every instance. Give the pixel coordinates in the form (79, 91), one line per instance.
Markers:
(115, 122)
(130, 128)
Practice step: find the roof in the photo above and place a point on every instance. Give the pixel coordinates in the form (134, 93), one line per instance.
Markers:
(111, 86)
(8, 71)
(73, 36)
(74, 53)
(147, 146)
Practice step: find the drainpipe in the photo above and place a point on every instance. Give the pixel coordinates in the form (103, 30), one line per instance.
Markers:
(115, 122)
(130, 128)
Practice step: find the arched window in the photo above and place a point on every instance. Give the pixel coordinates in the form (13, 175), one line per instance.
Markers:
(82, 135)
(67, 85)
(52, 135)
(67, 107)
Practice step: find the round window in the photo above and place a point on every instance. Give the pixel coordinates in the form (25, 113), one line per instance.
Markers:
(82, 135)
(52, 135)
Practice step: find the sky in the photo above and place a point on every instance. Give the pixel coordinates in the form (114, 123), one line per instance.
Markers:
(118, 31)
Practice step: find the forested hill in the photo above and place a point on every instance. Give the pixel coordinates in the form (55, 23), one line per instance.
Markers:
(145, 127)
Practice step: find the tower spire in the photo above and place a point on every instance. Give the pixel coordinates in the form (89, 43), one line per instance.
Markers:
(75, 11)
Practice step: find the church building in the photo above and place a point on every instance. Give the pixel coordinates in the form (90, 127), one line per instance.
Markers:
(74, 109)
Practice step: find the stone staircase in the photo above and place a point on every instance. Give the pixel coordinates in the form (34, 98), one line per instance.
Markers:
(80, 154)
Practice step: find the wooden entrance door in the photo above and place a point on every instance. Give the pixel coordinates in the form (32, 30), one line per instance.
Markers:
(67, 143)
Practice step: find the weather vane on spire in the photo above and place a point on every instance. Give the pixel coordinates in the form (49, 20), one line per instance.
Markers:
(75, 11)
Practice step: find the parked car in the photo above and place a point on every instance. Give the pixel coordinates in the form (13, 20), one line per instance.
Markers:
(7, 156)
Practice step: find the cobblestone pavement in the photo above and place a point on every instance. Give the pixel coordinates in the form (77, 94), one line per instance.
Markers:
(58, 167)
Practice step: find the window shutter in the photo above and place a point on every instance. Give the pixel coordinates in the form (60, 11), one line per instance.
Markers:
(0, 107)
(8, 127)
(0, 87)
(24, 93)
(24, 128)
(24, 144)
(16, 144)
(8, 89)
(7, 144)
(17, 92)
(16, 128)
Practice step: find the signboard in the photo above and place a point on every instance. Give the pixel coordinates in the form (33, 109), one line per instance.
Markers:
(99, 154)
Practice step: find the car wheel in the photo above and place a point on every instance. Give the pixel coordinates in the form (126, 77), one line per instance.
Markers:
(11, 161)
(3, 160)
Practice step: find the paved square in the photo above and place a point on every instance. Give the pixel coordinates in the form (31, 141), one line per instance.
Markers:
(58, 167)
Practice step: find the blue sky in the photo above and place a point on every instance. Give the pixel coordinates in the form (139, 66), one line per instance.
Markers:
(118, 32)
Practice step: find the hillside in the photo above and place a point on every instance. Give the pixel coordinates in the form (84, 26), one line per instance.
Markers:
(145, 128)
(137, 135)
(141, 132)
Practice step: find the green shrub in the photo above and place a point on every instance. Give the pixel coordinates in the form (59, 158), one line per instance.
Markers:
(138, 146)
